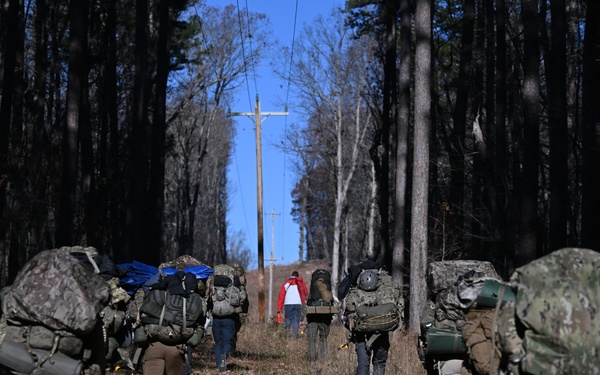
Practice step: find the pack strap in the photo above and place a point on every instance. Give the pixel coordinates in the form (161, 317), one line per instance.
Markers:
(184, 305)
(137, 356)
(184, 313)
(493, 366)
(162, 312)
(371, 340)
(94, 264)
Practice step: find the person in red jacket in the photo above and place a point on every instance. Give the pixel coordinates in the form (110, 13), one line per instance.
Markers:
(292, 295)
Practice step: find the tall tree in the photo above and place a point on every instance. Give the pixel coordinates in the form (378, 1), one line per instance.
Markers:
(420, 184)
(157, 162)
(329, 74)
(7, 168)
(590, 220)
(556, 62)
(390, 117)
(405, 48)
(531, 133)
(76, 84)
(500, 154)
(458, 152)
(138, 175)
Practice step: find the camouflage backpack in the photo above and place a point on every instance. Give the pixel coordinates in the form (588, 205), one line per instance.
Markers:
(172, 310)
(54, 289)
(52, 309)
(227, 295)
(375, 303)
(554, 317)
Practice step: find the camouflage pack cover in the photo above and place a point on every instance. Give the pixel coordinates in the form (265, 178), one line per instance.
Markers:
(180, 263)
(224, 270)
(56, 290)
(443, 274)
(379, 310)
(558, 300)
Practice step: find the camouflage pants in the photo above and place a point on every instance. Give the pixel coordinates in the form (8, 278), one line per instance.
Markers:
(317, 329)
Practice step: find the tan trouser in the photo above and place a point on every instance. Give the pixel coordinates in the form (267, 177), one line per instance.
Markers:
(161, 359)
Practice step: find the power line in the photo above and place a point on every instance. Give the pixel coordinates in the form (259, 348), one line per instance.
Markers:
(244, 53)
(287, 94)
(250, 42)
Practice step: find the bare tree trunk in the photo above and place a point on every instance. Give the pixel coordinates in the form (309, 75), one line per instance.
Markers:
(419, 239)
(390, 14)
(370, 248)
(138, 175)
(157, 168)
(9, 54)
(590, 219)
(70, 136)
(500, 155)
(303, 229)
(557, 123)
(457, 153)
(531, 123)
(399, 263)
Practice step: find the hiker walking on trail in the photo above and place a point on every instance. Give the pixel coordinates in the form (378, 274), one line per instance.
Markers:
(373, 308)
(172, 315)
(292, 296)
(226, 300)
(319, 323)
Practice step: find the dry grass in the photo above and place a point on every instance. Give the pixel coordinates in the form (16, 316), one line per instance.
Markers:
(262, 349)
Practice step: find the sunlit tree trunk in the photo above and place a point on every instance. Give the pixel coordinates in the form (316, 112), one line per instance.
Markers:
(420, 186)
(399, 262)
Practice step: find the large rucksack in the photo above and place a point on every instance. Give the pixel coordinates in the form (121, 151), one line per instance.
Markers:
(552, 326)
(56, 290)
(320, 288)
(227, 294)
(376, 304)
(172, 310)
(53, 308)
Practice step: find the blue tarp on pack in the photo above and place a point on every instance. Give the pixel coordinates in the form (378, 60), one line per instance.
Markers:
(137, 273)
(201, 272)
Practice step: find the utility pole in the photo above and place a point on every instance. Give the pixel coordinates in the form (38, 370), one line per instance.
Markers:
(259, 195)
(272, 260)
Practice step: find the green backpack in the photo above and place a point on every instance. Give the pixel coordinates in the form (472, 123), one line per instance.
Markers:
(375, 303)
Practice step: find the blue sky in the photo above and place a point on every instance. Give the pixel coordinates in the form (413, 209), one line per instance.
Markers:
(278, 178)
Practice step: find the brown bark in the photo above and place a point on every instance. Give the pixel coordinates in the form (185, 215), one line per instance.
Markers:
(420, 186)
